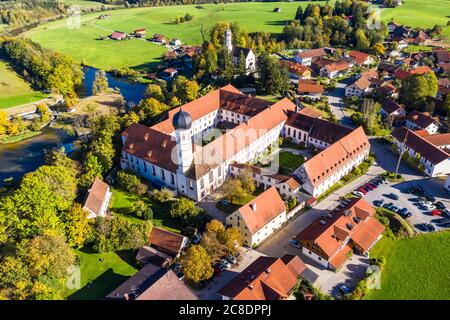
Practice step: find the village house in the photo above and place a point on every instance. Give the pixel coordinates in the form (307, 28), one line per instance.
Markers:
(117, 35)
(266, 278)
(296, 70)
(441, 55)
(330, 239)
(306, 57)
(392, 26)
(360, 58)
(358, 88)
(98, 198)
(390, 108)
(238, 52)
(153, 283)
(139, 33)
(171, 154)
(167, 242)
(416, 120)
(334, 69)
(169, 74)
(175, 42)
(159, 38)
(310, 88)
(435, 161)
(256, 220)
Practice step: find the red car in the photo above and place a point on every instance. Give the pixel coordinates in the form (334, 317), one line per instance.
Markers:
(436, 212)
(369, 186)
(361, 189)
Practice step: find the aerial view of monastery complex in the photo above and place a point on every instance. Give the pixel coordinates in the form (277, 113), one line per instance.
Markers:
(224, 150)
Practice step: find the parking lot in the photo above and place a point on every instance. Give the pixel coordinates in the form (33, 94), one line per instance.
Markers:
(432, 186)
(219, 281)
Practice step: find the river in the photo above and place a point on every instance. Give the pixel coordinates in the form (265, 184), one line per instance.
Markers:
(28, 155)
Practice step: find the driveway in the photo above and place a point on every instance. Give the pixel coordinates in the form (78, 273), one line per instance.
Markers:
(210, 292)
(337, 105)
(209, 205)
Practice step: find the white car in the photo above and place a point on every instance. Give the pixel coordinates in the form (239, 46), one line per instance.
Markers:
(225, 263)
(358, 193)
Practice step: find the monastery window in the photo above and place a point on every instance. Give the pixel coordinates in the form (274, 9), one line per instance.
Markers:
(145, 166)
(172, 178)
(191, 184)
(202, 184)
(153, 170)
(163, 175)
(211, 176)
(219, 171)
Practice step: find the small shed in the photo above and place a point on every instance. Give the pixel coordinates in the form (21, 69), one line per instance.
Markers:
(139, 33)
(277, 10)
(117, 35)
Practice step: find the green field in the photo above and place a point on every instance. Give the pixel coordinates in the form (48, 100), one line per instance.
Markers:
(15, 91)
(104, 272)
(416, 268)
(289, 162)
(108, 54)
(82, 3)
(421, 13)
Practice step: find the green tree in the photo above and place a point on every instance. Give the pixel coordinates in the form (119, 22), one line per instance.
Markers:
(184, 208)
(163, 195)
(232, 190)
(155, 91)
(150, 108)
(225, 65)
(196, 263)
(417, 88)
(185, 90)
(362, 43)
(143, 210)
(100, 84)
(247, 181)
(76, 224)
(274, 78)
(92, 169)
(232, 239)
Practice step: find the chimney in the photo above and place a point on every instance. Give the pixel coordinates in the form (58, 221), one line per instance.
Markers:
(253, 206)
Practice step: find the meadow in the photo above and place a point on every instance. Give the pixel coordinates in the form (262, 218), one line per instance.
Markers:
(14, 90)
(108, 54)
(416, 268)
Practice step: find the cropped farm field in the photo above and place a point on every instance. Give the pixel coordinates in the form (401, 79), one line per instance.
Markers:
(14, 90)
(416, 268)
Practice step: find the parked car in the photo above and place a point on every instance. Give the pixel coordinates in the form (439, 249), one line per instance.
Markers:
(295, 243)
(430, 227)
(362, 190)
(358, 193)
(436, 212)
(225, 263)
(406, 215)
(231, 259)
(378, 203)
(440, 205)
(402, 211)
(394, 208)
(219, 267)
(344, 289)
(429, 197)
(388, 205)
(422, 226)
(196, 238)
(444, 225)
(368, 185)
(392, 196)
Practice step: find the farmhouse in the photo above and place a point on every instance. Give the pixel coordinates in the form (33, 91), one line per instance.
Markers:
(159, 38)
(421, 120)
(266, 278)
(360, 58)
(139, 33)
(390, 108)
(117, 35)
(334, 69)
(175, 42)
(330, 239)
(238, 52)
(169, 73)
(435, 161)
(167, 242)
(296, 70)
(308, 56)
(153, 283)
(358, 88)
(310, 88)
(257, 220)
(171, 154)
(97, 201)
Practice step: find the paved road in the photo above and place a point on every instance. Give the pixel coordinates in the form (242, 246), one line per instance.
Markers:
(337, 105)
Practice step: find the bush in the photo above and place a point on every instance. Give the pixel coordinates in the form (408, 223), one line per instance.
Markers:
(130, 182)
(163, 195)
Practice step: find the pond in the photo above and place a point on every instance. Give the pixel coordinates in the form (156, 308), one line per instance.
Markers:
(131, 91)
(27, 155)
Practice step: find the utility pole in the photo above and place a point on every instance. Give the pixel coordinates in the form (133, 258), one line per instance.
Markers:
(401, 153)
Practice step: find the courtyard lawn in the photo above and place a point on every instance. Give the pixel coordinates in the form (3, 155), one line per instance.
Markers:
(289, 162)
(123, 202)
(14, 90)
(416, 268)
(419, 13)
(81, 42)
(104, 272)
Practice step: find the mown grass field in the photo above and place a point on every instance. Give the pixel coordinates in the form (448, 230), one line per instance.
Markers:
(108, 54)
(14, 90)
(421, 13)
(416, 268)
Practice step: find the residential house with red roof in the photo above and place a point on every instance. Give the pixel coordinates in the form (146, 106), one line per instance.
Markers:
(168, 242)
(331, 238)
(266, 278)
(257, 220)
(416, 120)
(98, 198)
(310, 88)
(358, 88)
(360, 58)
(296, 70)
(117, 35)
(434, 160)
(306, 57)
(334, 69)
(390, 108)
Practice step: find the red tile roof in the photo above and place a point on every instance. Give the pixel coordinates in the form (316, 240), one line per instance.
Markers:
(257, 217)
(309, 86)
(420, 119)
(314, 53)
(438, 140)
(296, 68)
(337, 66)
(166, 241)
(96, 196)
(266, 278)
(359, 57)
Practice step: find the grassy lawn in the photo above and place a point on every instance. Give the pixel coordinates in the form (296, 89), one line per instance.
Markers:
(416, 268)
(105, 272)
(107, 54)
(19, 137)
(289, 162)
(14, 90)
(123, 202)
(419, 13)
(413, 49)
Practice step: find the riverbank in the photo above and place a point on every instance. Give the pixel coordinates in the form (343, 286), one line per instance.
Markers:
(19, 137)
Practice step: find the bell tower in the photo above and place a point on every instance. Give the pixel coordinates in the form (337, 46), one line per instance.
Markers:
(182, 123)
(228, 40)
